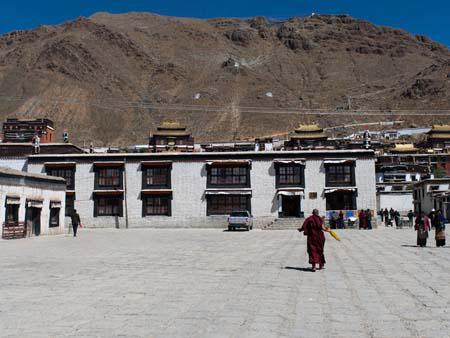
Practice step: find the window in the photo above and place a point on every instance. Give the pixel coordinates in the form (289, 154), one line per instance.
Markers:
(289, 175)
(340, 175)
(54, 217)
(156, 177)
(67, 173)
(229, 176)
(225, 204)
(156, 206)
(12, 213)
(70, 204)
(341, 201)
(108, 178)
(108, 206)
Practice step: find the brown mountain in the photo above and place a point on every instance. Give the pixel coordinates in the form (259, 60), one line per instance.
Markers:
(113, 78)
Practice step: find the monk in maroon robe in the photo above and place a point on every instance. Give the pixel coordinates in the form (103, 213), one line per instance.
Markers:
(313, 228)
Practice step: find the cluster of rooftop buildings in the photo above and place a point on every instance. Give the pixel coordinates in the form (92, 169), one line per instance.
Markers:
(175, 182)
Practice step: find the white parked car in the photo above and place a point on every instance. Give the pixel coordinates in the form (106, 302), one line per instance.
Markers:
(240, 219)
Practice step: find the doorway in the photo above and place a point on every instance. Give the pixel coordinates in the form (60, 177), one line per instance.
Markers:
(33, 220)
(290, 206)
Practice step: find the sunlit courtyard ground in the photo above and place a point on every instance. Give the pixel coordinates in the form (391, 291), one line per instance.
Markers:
(210, 283)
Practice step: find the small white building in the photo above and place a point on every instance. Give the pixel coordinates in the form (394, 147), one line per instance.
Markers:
(432, 194)
(201, 189)
(31, 204)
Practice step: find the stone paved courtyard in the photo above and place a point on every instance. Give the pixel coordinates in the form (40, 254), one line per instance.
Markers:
(209, 283)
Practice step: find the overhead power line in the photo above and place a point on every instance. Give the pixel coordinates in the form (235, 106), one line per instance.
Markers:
(107, 103)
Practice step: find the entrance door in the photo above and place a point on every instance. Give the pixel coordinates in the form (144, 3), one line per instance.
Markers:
(290, 206)
(33, 220)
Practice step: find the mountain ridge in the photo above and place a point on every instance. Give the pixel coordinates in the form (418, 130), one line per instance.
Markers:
(105, 77)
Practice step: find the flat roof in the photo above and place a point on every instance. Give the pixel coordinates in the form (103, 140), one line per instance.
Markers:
(433, 181)
(17, 173)
(325, 153)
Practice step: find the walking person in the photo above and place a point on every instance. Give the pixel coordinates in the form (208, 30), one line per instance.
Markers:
(422, 227)
(369, 219)
(313, 228)
(410, 218)
(75, 218)
(381, 213)
(391, 216)
(440, 230)
(434, 218)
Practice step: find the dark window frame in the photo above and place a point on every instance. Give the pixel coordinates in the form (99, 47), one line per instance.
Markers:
(295, 167)
(14, 210)
(168, 175)
(50, 171)
(98, 207)
(224, 200)
(70, 204)
(339, 171)
(348, 198)
(231, 168)
(98, 186)
(161, 197)
(51, 217)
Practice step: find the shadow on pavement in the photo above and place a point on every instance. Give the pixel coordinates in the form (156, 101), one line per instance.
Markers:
(298, 269)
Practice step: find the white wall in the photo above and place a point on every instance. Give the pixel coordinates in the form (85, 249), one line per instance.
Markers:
(35, 193)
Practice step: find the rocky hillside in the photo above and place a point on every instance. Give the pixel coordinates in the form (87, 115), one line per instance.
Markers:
(112, 78)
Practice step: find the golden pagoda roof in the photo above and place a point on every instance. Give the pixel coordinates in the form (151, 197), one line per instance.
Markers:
(304, 128)
(308, 132)
(171, 128)
(404, 148)
(440, 128)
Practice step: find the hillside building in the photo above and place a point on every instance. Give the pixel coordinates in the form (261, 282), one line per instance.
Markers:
(307, 136)
(171, 136)
(432, 194)
(439, 136)
(23, 131)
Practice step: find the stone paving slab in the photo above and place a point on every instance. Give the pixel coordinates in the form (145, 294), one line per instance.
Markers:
(209, 283)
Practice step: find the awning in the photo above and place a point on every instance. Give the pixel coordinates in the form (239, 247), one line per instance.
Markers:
(156, 163)
(108, 192)
(291, 192)
(338, 161)
(228, 192)
(55, 204)
(35, 204)
(110, 164)
(60, 164)
(290, 161)
(12, 200)
(229, 162)
(332, 190)
(156, 192)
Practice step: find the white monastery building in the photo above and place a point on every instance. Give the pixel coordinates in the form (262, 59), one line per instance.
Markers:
(200, 189)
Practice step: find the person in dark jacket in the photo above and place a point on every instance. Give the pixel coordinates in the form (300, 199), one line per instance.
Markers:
(369, 219)
(386, 217)
(434, 218)
(75, 222)
(410, 218)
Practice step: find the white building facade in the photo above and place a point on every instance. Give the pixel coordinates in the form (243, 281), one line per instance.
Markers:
(32, 204)
(199, 190)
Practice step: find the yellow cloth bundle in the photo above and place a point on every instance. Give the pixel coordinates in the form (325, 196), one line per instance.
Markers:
(334, 235)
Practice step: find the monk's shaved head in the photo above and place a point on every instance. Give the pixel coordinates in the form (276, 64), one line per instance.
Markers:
(316, 212)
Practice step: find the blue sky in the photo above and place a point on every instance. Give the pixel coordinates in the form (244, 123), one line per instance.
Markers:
(427, 17)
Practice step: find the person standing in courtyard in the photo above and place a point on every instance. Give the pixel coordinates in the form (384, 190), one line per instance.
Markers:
(422, 227)
(75, 218)
(362, 219)
(410, 218)
(386, 217)
(369, 219)
(440, 230)
(434, 218)
(313, 228)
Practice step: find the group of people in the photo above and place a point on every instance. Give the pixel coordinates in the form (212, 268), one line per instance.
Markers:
(391, 217)
(423, 225)
(337, 220)
(365, 219)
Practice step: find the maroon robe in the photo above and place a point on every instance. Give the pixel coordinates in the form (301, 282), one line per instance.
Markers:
(312, 227)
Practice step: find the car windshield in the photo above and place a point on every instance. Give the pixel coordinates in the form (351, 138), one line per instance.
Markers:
(239, 214)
